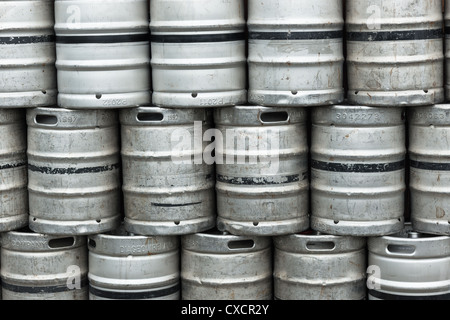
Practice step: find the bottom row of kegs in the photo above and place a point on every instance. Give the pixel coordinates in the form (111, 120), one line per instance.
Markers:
(218, 266)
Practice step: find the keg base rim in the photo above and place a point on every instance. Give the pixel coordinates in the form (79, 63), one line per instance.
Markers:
(169, 228)
(13, 223)
(431, 226)
(396, 98)
(104, 101)
(300, 98)
(28, 99)
(199, 99)
(263, 228)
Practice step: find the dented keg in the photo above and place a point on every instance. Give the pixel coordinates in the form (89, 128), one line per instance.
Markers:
(395, 52)
(42, 267)
(314, 266)
(123, 266)
(358, 170)
(198, 53)
(74, 171)
(27, 54)
(296, 52)
(409, 266)
(168, 186)
(13, 170)
(262, 181)
(429, 155)
(220, 266)
(103, 53)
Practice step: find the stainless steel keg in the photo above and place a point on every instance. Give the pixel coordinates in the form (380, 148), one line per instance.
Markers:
(124, 266)
(74, 176)
(103, 53)
(27, 54)
(198, 53)
(13, 170)
(43, 267)
(314, 266)
(221, 266)
(262, 183)
(358, 170)
(395, 52)
(296, 55)
(168, 185)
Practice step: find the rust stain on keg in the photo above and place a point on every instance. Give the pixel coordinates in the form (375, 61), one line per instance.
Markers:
(440, 213)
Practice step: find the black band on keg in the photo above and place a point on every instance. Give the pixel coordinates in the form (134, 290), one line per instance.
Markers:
(319, 35)
(358, 167)
(388, 296)
(27, 39)
(395, 35)
(13, 165)
(430, 166)
(191, 38)
(261, 181)
(141, 37)
(43, 289)
(49, 170)
(169, 205)
(134, 295)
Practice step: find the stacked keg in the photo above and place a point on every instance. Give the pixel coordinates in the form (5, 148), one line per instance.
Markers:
(224, 150)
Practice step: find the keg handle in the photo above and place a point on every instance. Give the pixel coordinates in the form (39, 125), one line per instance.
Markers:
(400, 249)
(46, 119)
(59, 243)
(274, 117)
(150, 117)
(241, 244)
(320, 246)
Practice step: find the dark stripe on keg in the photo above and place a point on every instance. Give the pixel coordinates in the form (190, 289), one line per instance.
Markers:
(191, 38)
(46, 289)
(134, 295)
(430, 166)
(142, 37)
(319, 35)
(358, 167)
(261, 181)
(12, 166)
(388, 296)
(395, 35)
(49, 170)
(27, 39)
(168, 205)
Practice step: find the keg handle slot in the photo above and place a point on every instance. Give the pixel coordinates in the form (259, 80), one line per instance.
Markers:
(400, 249)
(61, 242)
(274, 117)
(241, 244)
(92, 243)
(150, 116)
(46, 119)
(320, 246)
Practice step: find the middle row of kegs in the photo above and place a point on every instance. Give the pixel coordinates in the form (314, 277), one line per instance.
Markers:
(221, 53)
(248, 170)
(214, 265)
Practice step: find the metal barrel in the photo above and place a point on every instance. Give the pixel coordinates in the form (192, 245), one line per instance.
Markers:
(296, 52)
(124, 266)
(13, 170)
(198, 53)
(314, 266)
(447, 49)
(409, 266)
(36, 266)
(220, 266)
(429, 164)
(168, 187)
(74, 171)
(27, 54)
(395, 52)
(103, 53)
(358, 170)
(262, 183)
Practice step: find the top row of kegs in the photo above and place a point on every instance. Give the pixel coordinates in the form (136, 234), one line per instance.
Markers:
(211, 53)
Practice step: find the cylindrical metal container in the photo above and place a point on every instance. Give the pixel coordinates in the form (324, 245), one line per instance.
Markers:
(296, 52)
(198, 53)
(395, 53)
(74, 176)
(13, 170)
(409, 266)
(103, 53)
(42, 267)
(358, 170)
(168, 187)
(262, 182)
(220, 266)
(312, 266)
(429, 153)
(123, 266)
(27, 54)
